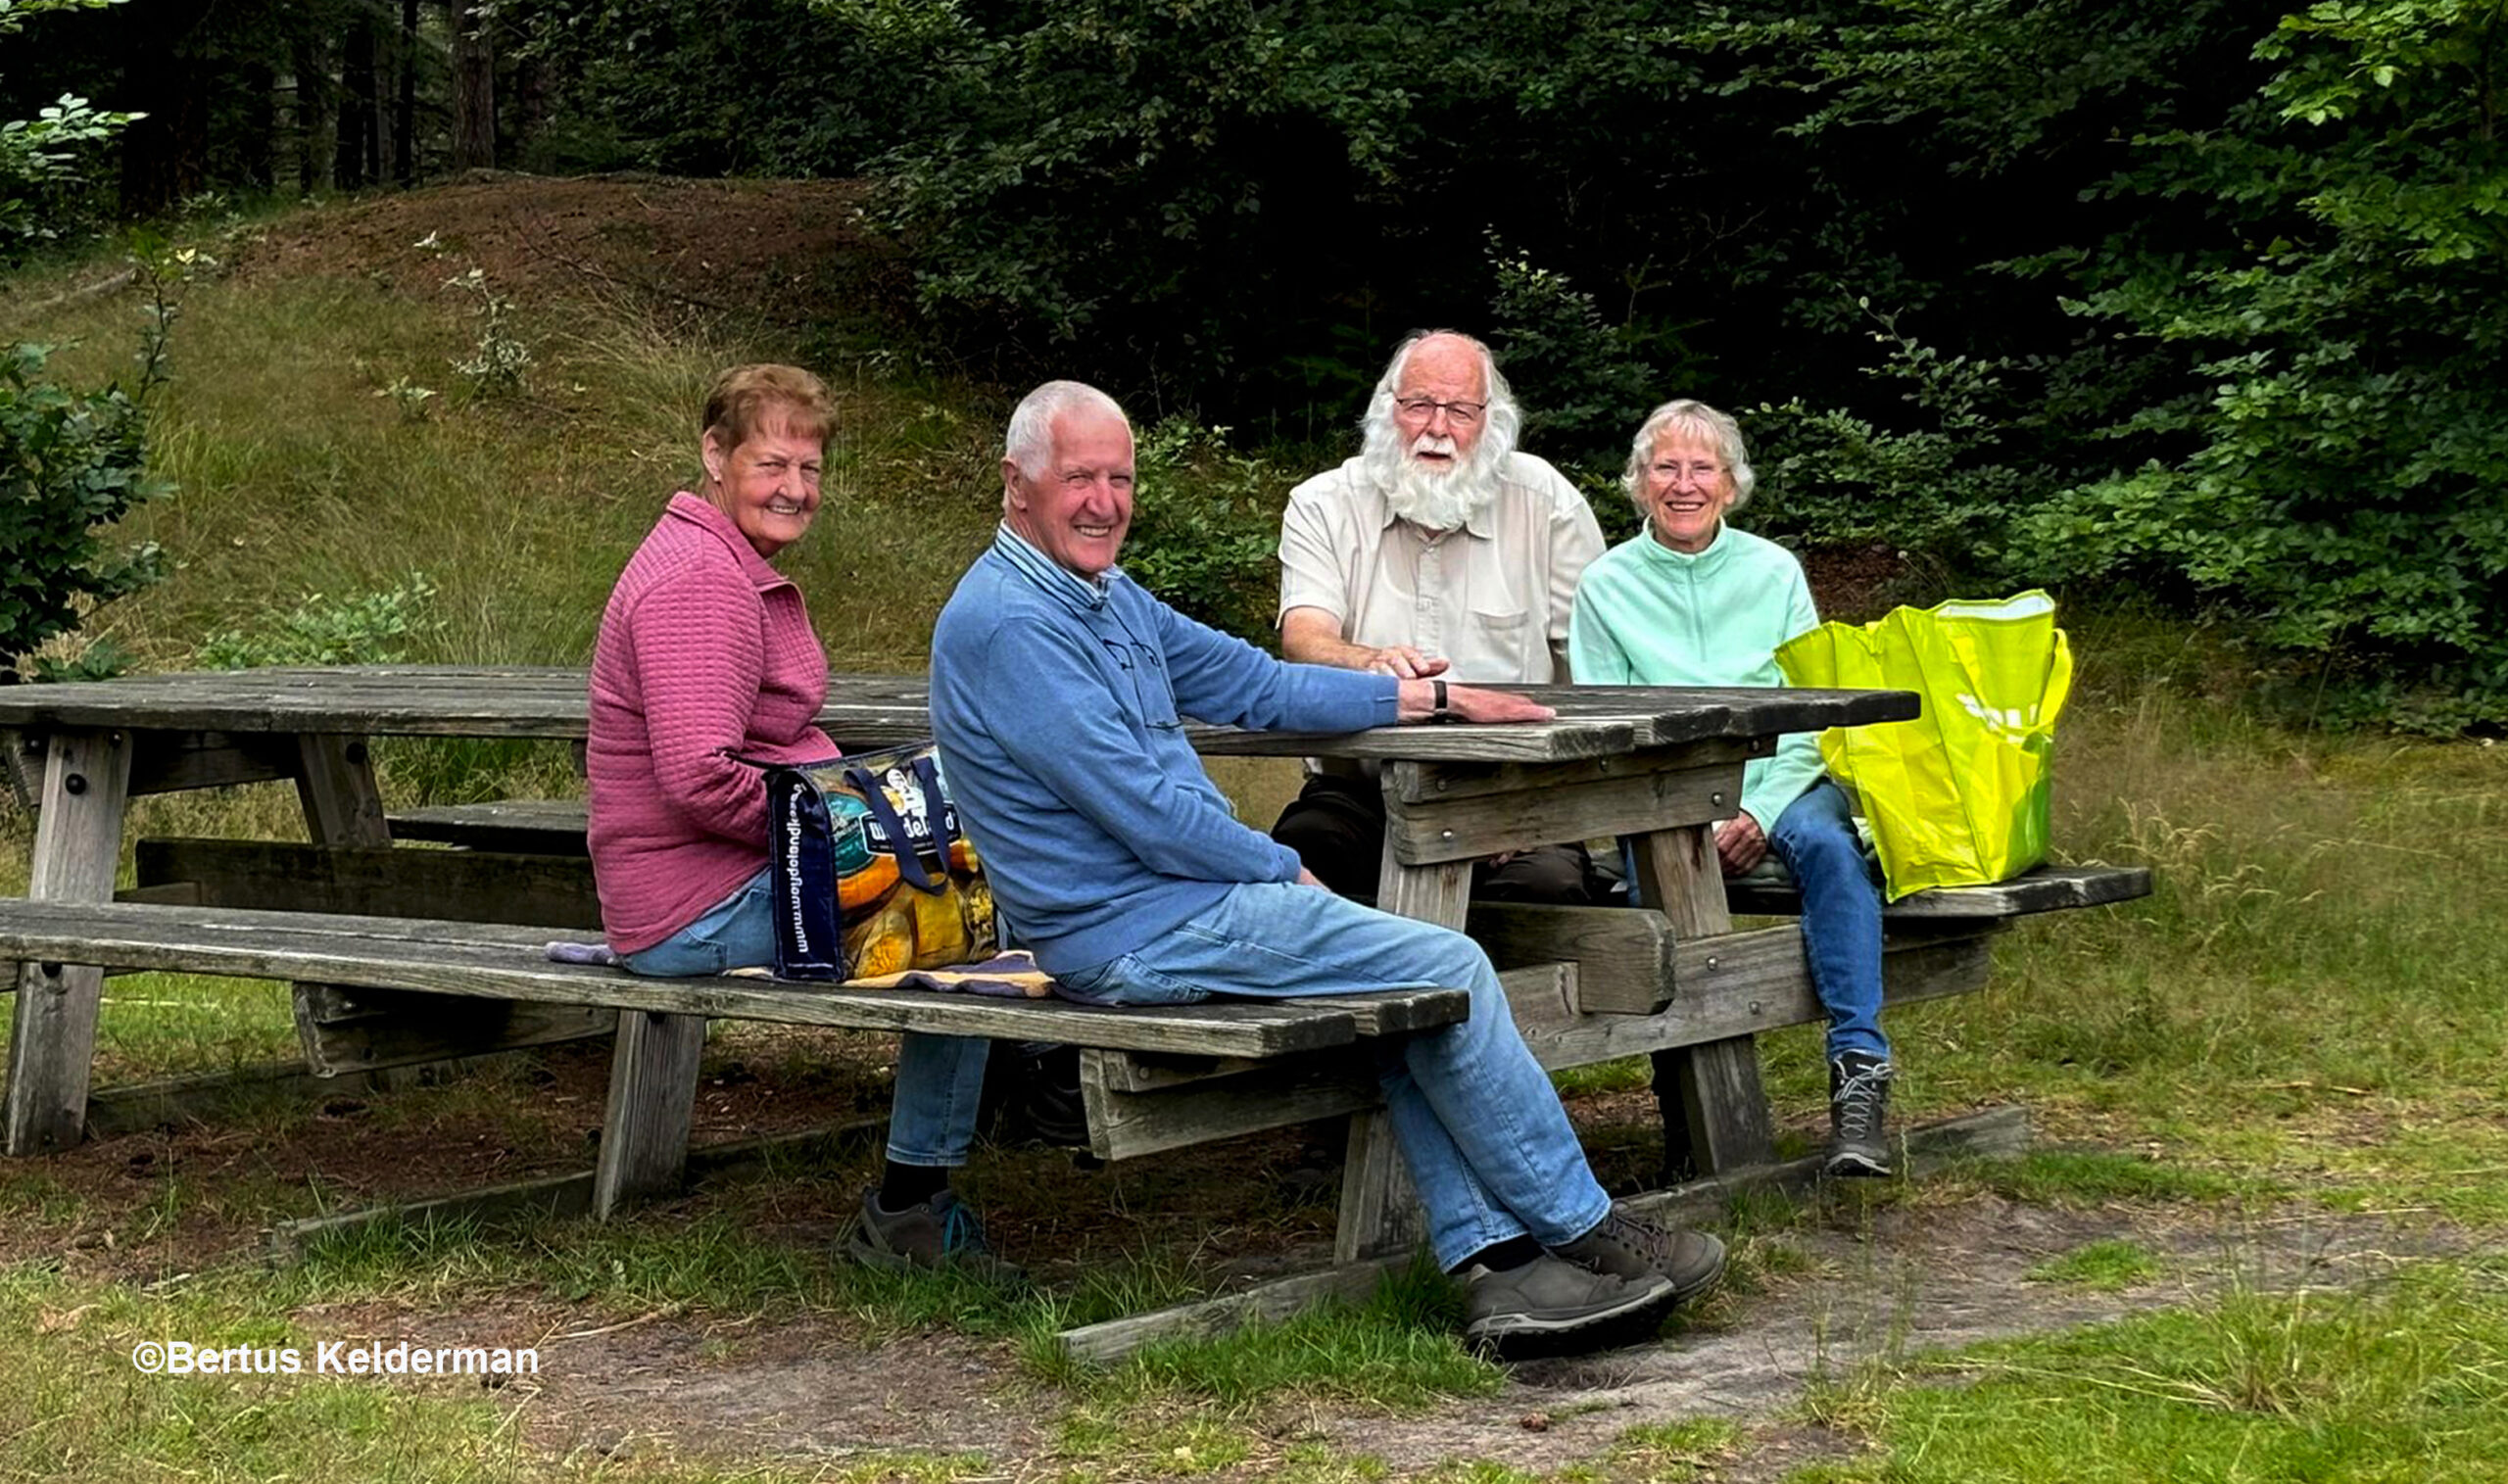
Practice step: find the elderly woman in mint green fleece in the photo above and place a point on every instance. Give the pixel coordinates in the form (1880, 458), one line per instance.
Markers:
(1692, 602)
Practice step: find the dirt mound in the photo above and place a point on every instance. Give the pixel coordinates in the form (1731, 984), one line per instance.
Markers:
(738, 246)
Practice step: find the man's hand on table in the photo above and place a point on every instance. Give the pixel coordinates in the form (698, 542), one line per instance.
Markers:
(1403, 662)
(1418, 702)
(1311, 636)
(1740, 844)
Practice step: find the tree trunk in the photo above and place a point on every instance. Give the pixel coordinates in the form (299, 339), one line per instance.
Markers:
(258, 142)
(404, 109)
(312, 112)
(474, 89)
(164, 155)
(356, 145)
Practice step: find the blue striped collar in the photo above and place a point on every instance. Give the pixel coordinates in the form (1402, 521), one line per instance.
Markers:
(1048, 574)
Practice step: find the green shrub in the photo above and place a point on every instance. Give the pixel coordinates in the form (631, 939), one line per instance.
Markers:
(1206, 528)
(71, 462)
(357, 628)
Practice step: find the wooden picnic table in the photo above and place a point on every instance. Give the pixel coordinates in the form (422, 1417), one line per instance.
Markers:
(1659, 764)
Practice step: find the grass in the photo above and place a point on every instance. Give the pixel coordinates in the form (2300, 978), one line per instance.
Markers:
(2406, 1379)
(2304, 1013)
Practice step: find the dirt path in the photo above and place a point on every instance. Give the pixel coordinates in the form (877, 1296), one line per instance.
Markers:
(1914, 1279)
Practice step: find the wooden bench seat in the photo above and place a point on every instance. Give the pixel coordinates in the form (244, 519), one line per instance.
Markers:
(2040, 888)
(473, 960)
(660, 1022)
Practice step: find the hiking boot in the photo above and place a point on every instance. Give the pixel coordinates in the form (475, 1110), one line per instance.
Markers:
(927, 1236)
(1629, 1247)
(1859, 1115)
(1547, 1306)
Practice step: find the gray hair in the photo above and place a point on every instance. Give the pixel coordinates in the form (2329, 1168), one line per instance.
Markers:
(1701, 422)
(1030, 442)
(1506, 415)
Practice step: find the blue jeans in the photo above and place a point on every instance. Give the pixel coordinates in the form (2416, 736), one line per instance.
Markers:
(1841, 914)
(940, 1078)
(1479, 1126)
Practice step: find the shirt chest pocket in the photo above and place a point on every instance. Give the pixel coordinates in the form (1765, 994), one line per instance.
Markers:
(1146, 673)
(1502, 640)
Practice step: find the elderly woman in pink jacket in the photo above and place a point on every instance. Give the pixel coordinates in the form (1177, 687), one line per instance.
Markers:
(706, 664)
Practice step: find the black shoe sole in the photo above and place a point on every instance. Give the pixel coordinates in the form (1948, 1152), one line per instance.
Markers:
(1855, 1167)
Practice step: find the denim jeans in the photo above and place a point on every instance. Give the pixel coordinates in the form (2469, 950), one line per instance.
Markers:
(1479, 1126)
(1841, 914)
(940, 1078)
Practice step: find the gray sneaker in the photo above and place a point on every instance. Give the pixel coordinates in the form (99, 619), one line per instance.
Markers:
(927, 1236)
(1625, 1245)
(1859, 1115)
(1547, 1304)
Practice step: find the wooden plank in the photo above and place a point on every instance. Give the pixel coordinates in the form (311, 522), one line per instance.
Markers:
(1151, 1072)
(343, 808)
(78, 848)
(1756, 990)
(1137, 1106)
(1107, 1342)
(1434, 830)
(1716, 1114)
(1436, 782)
(476, 960)
(170, 762)
(539, 701)
(469, 885)
(335, 783)
(558, 1195)
(1624, 958)
(1990, 1133)
(1124, 1125)
(198, 1097)
(21, 766)
(371, 1030)
(2042, 889)
(522, 825)
(652, 1104)
(1380, 1210)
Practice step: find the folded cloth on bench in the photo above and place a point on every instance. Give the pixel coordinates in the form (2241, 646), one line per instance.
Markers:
(1010, 976)
(1005, 976)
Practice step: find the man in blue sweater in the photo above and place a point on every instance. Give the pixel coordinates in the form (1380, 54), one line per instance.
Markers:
(1058, 693)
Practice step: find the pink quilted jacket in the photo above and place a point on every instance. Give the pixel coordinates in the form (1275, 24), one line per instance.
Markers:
(705, 655)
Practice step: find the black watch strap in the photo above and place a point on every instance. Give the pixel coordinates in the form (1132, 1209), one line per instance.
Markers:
(1437, 689)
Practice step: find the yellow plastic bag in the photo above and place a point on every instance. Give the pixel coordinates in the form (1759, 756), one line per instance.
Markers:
(1957, 796)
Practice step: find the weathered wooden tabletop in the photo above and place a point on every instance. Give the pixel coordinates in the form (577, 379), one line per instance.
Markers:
(876, 711)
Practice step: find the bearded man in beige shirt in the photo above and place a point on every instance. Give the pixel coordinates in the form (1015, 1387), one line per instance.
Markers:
(1438, 551)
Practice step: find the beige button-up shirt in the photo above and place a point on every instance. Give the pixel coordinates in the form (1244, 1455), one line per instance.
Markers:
(1492, 599)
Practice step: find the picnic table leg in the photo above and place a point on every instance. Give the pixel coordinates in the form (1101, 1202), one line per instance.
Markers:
(86, 780)
(1380, 1210)
(653, 1105)
(343, 808)
(1715, 1110)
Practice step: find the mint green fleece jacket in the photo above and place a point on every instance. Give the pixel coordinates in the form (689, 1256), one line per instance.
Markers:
(1648, 615)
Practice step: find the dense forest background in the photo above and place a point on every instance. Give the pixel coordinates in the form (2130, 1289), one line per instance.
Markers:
(2196, 298)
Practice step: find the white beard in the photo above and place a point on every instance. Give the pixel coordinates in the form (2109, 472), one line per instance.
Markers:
(1428, 497)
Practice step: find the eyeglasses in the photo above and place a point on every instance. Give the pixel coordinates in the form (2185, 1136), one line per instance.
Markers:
(1671, 472)
(1462, 414)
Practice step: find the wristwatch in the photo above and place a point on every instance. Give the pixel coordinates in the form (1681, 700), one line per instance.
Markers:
(1441, 713)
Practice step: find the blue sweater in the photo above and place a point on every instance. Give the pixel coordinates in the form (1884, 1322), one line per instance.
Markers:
(1058, 705)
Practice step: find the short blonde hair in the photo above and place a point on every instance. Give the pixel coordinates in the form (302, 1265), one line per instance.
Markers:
(749, 398)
